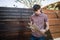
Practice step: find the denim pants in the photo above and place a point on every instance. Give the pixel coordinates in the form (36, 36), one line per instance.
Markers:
(37, 38)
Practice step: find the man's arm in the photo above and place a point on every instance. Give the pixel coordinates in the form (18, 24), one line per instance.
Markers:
(47, 26)
(46, 29)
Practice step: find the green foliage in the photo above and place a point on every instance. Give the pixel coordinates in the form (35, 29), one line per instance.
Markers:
(54, 6)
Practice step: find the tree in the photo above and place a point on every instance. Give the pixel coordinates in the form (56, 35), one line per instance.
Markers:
(54, 6)
(30, 3)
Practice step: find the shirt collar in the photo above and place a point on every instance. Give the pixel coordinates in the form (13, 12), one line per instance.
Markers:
(35, 15)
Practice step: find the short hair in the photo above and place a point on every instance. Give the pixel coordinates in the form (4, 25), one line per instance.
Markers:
(36, 7)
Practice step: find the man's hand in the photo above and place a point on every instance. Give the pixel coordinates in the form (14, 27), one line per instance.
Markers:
(35, 29)
(43, 30)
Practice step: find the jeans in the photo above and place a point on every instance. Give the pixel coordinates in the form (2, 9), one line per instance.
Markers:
(37, 38)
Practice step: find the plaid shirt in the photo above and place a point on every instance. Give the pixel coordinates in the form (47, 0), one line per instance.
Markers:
(39, 21)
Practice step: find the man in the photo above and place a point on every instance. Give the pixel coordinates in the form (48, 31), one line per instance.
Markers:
(39, 19)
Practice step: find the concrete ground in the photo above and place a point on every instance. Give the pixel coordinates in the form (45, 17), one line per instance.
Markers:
(57, 39)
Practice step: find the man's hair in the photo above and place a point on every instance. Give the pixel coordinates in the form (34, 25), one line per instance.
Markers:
(36, 7)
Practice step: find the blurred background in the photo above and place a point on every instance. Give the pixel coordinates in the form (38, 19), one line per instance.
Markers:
(14, 18)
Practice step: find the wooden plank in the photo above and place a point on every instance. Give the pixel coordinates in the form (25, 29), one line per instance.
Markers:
(56, 35)
(54, 29)
(17, 19)
(51, 15)
(58, 15)
(54, 21)
(11, 13)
